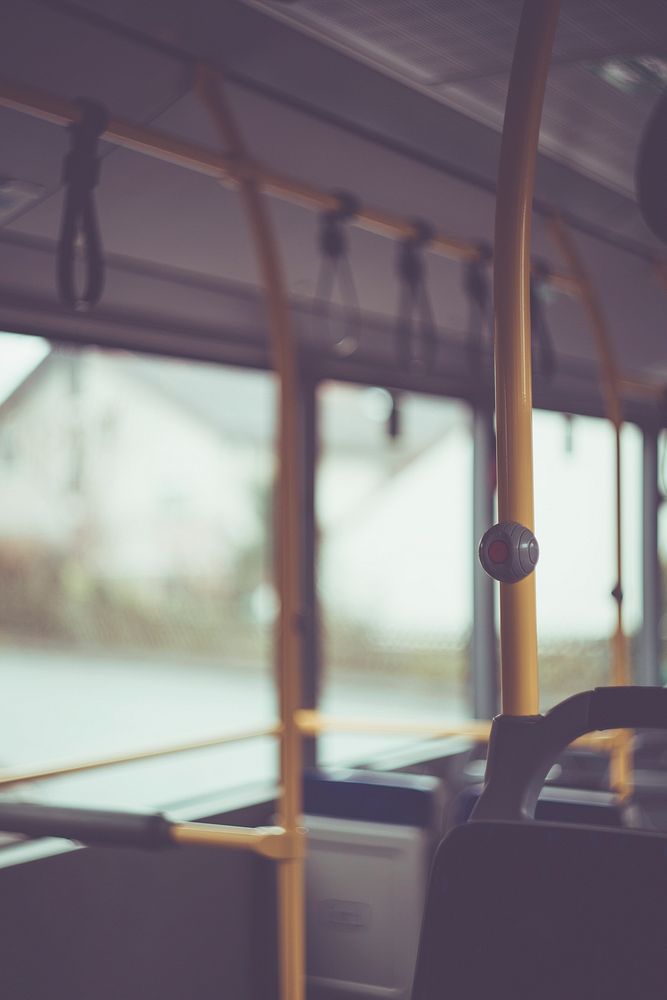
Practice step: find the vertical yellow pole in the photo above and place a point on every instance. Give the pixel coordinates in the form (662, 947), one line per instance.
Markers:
(621, 760)
(291, 915)
(516, 177)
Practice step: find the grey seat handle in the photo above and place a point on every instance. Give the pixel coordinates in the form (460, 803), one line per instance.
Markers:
(522, 749)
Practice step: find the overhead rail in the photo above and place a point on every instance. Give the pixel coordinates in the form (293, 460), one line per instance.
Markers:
(227, 169)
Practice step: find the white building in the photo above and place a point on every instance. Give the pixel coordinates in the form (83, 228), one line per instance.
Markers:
(140, 468)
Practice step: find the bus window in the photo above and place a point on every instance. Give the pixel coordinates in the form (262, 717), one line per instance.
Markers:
(575, 513)
(136, 566)
(394, 505)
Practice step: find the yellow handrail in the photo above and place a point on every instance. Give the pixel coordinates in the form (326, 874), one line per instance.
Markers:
(621, 763)
(47, 771)
(312, 723)
(269, 841)
(511, 280)
(291, 892)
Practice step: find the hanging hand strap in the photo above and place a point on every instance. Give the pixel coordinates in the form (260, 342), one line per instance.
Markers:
(335, 266)
(414, 302)
(81, 173)
(544, 355)
(477, 288)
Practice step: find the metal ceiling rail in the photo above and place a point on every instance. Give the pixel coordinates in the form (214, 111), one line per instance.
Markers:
(227, 169)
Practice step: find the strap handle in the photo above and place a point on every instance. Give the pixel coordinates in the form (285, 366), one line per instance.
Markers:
(522, 749)
(81, 171)
(477, 290)
(415, 312)
(544, 354)
(335, 266)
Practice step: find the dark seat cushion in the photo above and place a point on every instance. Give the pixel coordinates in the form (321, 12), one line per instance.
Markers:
(541, 911)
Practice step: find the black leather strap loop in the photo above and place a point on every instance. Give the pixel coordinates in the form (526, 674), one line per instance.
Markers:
(415, 313)
(477, 289)
(81, 172)
(544, 354)
(335, 269)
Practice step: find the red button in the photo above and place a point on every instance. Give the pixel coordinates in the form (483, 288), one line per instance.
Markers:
(499, 551)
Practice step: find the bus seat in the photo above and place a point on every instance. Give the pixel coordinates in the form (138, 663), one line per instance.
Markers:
(529, 909)
(371, 837)
(537, 911)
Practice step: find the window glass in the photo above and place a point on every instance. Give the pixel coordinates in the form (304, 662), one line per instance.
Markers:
(136, 568)
(394, 507)
(575, 511)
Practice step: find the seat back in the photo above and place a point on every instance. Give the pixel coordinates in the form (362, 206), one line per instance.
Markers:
(541, 911)
(529, 910)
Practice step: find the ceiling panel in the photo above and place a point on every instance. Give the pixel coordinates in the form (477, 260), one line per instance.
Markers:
(74, 58)
(584, 122)
(461, 54)
(440, 41)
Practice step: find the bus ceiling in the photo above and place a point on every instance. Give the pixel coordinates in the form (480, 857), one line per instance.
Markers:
(330, 109)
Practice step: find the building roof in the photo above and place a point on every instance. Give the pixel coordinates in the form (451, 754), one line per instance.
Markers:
(240, 404)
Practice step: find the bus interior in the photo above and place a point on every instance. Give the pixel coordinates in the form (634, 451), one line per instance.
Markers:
(320, 320)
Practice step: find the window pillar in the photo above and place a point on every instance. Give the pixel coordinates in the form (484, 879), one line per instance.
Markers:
(648, 667)
(483, 651)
